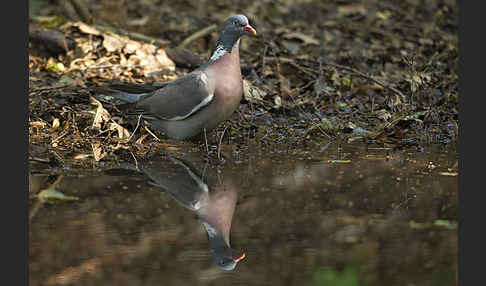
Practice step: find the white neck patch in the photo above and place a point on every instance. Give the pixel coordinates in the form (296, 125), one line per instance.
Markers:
(218, 53)
(212, 232)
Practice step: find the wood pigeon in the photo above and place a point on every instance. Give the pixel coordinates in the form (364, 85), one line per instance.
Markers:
(201, 99)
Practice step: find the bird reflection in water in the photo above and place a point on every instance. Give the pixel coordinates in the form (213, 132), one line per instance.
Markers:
(210, 197)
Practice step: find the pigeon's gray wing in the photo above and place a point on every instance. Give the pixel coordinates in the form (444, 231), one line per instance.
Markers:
(180, 99)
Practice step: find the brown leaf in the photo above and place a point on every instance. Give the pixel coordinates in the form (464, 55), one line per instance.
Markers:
(55, 125)
(122, 132)
(112, 44)
(37, 124)
(98, 152)
(84, 28)
(252, 92)
(81, 156)
(101, 115)
(140, 140)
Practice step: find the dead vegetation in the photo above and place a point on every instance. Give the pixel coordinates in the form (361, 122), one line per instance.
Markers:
(385, 72)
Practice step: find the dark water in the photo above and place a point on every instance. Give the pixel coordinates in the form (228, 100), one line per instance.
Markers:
(340, 216)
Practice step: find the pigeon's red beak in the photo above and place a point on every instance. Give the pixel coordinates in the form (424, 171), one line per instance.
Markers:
(250, 29)
(243, 255)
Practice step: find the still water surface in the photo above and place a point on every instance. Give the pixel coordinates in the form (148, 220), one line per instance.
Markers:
(348, 215)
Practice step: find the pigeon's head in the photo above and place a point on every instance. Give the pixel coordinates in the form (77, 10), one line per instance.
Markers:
(238, 25)
(227, 261)
(233, 28)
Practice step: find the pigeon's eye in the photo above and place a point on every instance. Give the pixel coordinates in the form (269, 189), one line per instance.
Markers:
(235, 23)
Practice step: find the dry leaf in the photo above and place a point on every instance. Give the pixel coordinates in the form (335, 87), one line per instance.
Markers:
(164, 60)
(277, 101)
(451, 174)
(37, 124)
(55, 124)
(112, 44)
(84, 28)
(131, 47)
(98, 152)
(140, 140)
(252, 92)
(81, 156)
(101, 115)
(122, 131)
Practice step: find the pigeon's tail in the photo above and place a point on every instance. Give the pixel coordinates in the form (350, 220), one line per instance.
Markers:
(127, 97)
(119, 93)
(117, 97)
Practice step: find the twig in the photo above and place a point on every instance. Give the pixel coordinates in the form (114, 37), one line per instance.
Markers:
(221, 140)
(206, 141)
(132, 35)
(135, 159)
(151, 133)
(136, 127)
(363, 75)
(59, 137)
(197, 35)
(37, 159)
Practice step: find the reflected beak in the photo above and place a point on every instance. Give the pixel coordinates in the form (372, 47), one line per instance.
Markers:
(240, 257)
(250, 29)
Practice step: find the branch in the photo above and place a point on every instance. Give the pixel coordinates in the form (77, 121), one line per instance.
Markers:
(198, 35)
(363, 75)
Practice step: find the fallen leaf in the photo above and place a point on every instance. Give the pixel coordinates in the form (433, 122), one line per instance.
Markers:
(37, 124)
(112, 44)
(277, 101)
(84, 28)
(140, 140)
(97, 151)
(451, 174)
(122, 131)
(55, 124)
(101, 115)
(51, 195)
(252, 92)
(81, 156)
